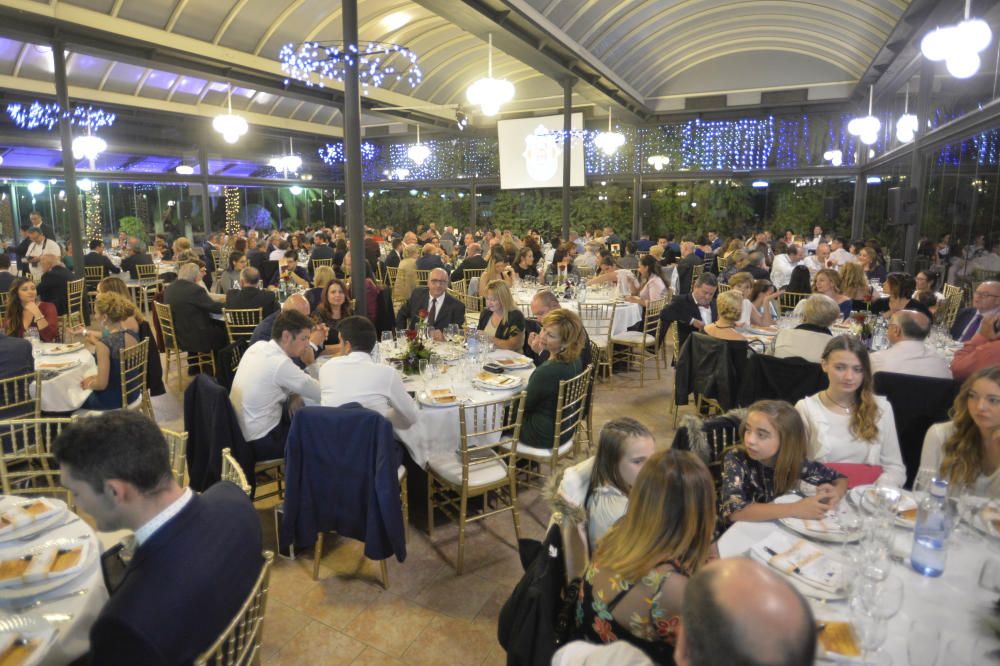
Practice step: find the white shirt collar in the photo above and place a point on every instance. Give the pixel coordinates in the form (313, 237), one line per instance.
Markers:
(159, 520)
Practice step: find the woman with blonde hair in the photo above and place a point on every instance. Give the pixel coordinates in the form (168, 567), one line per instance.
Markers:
(634, 587)
(827, 282)
(137, 324)
(498, 268)
(111, 312)
(772, 462)
(501, 319)
(847, 422)
(322, 277)
(966, 449)
(853, 283)
(562, 336)
(742, 283)
(730, 306)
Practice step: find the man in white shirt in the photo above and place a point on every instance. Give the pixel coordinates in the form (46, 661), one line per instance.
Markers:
(355, 377)
(839, 255)
(267, 381)
(781, 268)
(907, 354)
(39, 245)
(817, 262)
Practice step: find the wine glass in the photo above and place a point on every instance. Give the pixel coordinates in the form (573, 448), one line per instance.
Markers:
(923, 643)
(922, 483)
(882, 598)
(871, 631)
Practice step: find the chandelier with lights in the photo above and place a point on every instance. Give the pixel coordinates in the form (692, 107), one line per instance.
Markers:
(418, 152)
(658, 161)
(609, 142)
(490, 94)
(229, 125)
(958, 45)
(286, 164)
(88, 146)
(866, 128)
(320, 63)
(906, 126)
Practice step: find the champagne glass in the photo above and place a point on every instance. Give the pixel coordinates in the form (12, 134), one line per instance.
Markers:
(871, 632)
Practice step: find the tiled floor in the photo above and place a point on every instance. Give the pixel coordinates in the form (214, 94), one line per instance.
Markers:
(429, 615)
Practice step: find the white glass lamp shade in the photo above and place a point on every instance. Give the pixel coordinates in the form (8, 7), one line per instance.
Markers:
(489, 94)
(419, 153)
(230, 126)
(88, 147)
(962, 64)
(610, 142)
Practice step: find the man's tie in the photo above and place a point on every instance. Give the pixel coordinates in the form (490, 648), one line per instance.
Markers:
(432, 313)
(972, 328)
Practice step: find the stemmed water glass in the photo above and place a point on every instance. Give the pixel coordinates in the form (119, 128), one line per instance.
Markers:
(871, 631)
(923, 643)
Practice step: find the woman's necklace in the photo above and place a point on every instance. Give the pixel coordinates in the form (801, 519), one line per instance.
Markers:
(847, 409)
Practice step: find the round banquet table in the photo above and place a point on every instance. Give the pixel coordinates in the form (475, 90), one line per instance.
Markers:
(73, 637)
(436, 431)
(626, 313)
(953, 602)
(63, 393)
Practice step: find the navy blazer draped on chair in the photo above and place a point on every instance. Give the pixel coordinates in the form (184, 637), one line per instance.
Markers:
(211, 425)
(341, 476)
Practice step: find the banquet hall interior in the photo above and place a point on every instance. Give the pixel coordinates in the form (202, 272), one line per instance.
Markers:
(418, 276)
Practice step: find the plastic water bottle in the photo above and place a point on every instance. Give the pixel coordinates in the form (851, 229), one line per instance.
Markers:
(581, 293)
(930, 536)
(472, 341)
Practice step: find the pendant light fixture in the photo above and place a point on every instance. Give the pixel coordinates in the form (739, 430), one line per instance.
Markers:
(489, 93)
(229, 125)
(867, 127)
(418, 152)
(609, 142)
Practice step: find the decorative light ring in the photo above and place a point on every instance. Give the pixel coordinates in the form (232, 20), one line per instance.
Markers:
(48, 115)
(319, 63)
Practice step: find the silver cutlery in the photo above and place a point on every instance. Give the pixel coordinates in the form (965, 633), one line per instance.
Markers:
(40, 602)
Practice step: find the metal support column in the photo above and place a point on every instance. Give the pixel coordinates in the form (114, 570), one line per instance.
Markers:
(637, 190)
(567, 153)
(69, 163)
(918, 165)
(473, 207)
(352, 159)
(860, 195)
(206, 198)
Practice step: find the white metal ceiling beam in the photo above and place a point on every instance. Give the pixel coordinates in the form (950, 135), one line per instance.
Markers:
(20, 58)
(107, 73)
(175, 15)
(276, 25)
(226, 22)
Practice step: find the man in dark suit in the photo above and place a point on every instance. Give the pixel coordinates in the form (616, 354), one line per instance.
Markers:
(6, 277)
(393, 258)
(756, 266)
(192, 309)
(429, 259)
(442, 309)
(15, 356)
(137, 256)
(52, 286)
(250, 295)
(321, 249)
(691, 310)
(22, 248)
(684, 268)
(257, 254)
(985, 301)
(198, 555)
(96, 257)
(473, 261)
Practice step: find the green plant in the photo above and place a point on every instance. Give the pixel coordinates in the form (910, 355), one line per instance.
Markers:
(132, 226)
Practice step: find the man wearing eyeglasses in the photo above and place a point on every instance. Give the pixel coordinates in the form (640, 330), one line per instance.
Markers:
(432, 304)
(985, 302)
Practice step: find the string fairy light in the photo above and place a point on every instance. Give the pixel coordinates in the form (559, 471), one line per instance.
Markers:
(232, 196)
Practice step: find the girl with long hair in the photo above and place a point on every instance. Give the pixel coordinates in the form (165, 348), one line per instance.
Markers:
(853, 283)
(25, 311)
(651, 285)
(634, 587)
(333, 306)
(771, 462)
(498, 268)
(501, 319)
(623, 447)
(847, 422)
(966, 449)
(111, 312)
(525, 264)
(762, 299)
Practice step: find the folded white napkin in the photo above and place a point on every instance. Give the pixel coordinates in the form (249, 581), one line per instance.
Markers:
(800, 559)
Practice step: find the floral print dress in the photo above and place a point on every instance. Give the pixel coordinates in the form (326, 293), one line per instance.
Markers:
(644, 613)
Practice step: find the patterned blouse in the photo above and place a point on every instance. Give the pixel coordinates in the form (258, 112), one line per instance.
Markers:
(652, 622)
(746, 481)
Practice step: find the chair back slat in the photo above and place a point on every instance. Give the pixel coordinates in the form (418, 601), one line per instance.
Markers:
(570, 406)
(147, 272)
(132, 362)
(16, 399)
(598, 319)
(460, 286)
(74, 302)
(165, 314)
(316, 263)
(240, 324)
(177, 452)
(232, 472)
(27, 466)
(789, 299)
(423, 277)
(479, 428)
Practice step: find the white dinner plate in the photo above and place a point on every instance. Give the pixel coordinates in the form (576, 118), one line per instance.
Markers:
(861, 500)
(36, 527)
(32, 628)
(516, 363)
(57, 367)
(63, 349)
(509, 383)
(54, 582)
(798, 526)
(429, 400)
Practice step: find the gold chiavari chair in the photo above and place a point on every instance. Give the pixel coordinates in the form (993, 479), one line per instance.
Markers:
(570, 403)
(460, 286)
(177, 452)
(722, 263)
(640, 346)
(788, 300)
(3, 310)
(149, 285)
(199, 359)
(216, 258)
(391, 273)
(92, 276)
(585, 431)
(598, 319)
(16, 400)
(241, 323)
(724, 287)
(74, 302)
(133, 361)
(422, 278)
(947, 310)
(473, 306)
(239, 644)
(481, 469)
(27, 466)
(952, 290)
(469, 273)
(232, 472)
(696, 272)
(316, 263)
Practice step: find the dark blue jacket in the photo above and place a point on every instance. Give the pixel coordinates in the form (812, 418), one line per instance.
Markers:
(184, 585)
(345, 482)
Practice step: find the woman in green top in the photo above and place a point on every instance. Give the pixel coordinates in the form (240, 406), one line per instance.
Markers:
(562, 335)
(501, 319)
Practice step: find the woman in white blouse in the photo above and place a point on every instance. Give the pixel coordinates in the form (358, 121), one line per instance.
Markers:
(623, 448)
(651, 286)
(966, 449)
(847, 422)
(808, 339)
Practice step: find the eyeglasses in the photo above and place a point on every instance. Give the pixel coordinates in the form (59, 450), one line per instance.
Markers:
(984, 294)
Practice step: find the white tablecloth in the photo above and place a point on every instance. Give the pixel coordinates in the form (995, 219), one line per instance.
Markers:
(953, 602)
(62, 393)
(626, 314)
(73, 639)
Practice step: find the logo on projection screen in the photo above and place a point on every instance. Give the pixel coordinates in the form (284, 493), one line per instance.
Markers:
(541, 154)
